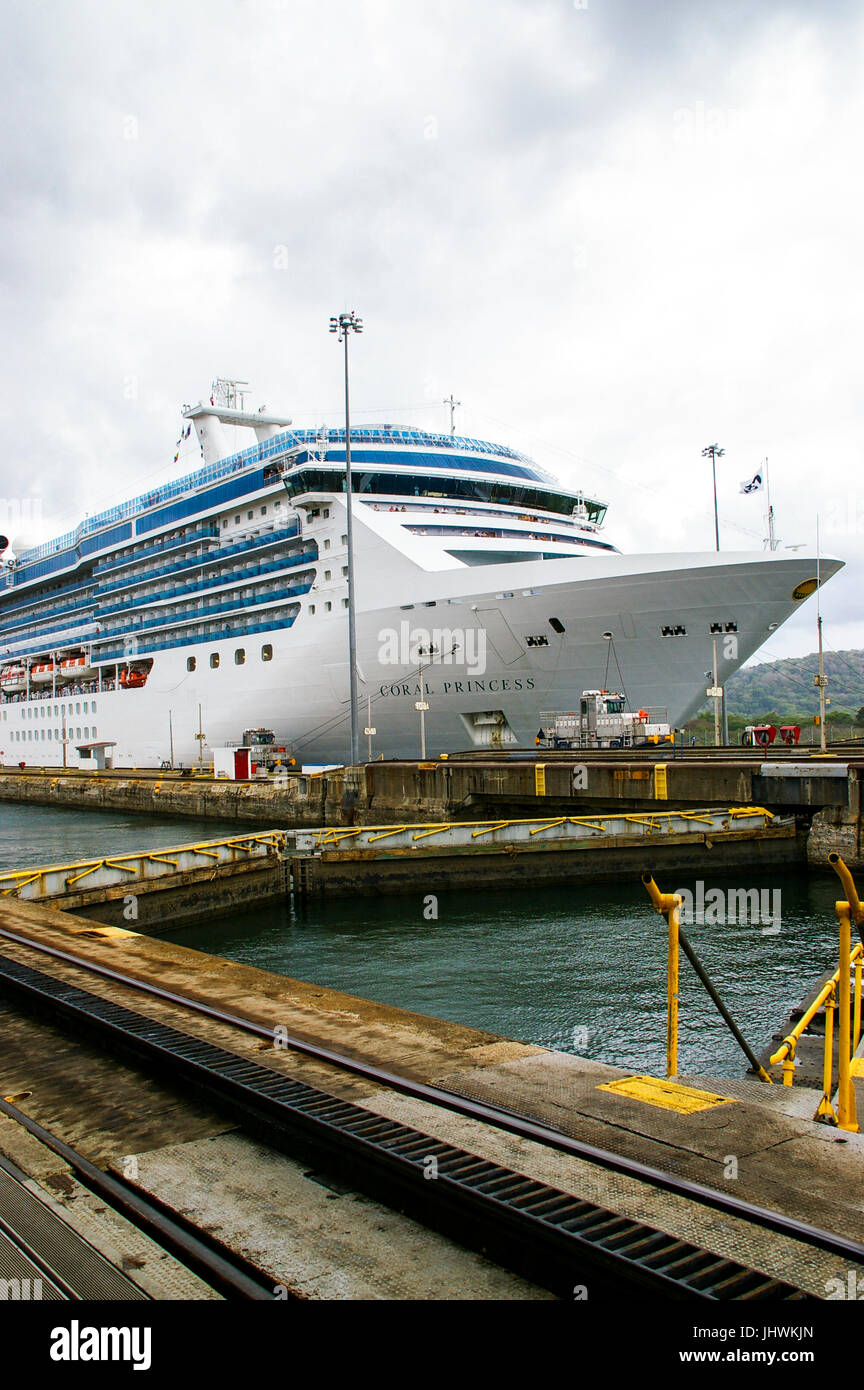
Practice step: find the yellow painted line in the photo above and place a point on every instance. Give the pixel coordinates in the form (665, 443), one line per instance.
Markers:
(667, 1095)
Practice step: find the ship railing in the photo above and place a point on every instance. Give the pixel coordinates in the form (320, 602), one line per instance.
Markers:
(192, 638)
(179, 615)
(199, 585)
(132, 557)
(212, 556)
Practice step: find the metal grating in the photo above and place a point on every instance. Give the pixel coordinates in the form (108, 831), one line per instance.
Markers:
(68, 1266)
(579, 1239)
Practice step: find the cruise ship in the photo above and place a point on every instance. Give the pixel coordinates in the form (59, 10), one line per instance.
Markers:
(486, 591)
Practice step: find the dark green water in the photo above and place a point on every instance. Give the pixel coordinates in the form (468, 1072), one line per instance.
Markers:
(32, 835)
(581, 969)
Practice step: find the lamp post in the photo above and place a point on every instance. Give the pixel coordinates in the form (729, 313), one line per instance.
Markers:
(343, 325)
(714, 452)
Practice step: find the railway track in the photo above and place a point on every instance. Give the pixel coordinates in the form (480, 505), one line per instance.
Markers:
(542, 1233)
(37, 1244)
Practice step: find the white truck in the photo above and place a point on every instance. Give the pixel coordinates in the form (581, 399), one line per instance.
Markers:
(603, 722)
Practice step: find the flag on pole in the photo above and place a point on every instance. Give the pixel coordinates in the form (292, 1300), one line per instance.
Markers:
(753, 485)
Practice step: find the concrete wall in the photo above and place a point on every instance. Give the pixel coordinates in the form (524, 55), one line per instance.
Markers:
(388, 793)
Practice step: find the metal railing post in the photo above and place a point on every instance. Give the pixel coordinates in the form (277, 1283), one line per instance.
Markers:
(668, 905)
(846, 1112)
(825, 1108)
(849, 1032)
(672, 990)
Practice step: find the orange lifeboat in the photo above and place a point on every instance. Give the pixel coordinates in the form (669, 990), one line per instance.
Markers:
(42, 673)
(13, 679)
(76, 668)
(132, 680)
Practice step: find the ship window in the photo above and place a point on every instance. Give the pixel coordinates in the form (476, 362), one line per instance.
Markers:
(267, 652)
(263, 511)
(237, 519)
(191, 663)
(214, 659)
(344, 603)
(94, 730)
(326, 574)
(556, 625)
(344, 540)
(345, 571)
(240, 656)
(328, 607)
(277, 504)
(327, 545)
(249, 516)
(311, 608)
(326, 511)
(49, 735)
(78, 707)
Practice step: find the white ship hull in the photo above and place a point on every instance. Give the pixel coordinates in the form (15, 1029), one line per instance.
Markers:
(485, 686)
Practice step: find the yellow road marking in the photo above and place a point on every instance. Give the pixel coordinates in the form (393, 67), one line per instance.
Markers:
(686, 1100)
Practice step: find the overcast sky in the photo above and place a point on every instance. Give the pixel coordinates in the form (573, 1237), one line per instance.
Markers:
(617, 231)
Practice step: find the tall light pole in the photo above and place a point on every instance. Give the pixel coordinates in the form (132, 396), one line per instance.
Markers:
(714, 452)
(343, 325)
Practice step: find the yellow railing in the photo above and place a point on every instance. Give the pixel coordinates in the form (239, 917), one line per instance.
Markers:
(655, 821)
(669, 906)
(835, 995)
(13, 880)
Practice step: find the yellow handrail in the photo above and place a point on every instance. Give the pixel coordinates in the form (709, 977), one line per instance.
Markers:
(836, 994)
(846, 1112)
(668, 905)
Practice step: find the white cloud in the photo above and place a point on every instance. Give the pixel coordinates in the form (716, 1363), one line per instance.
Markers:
(616, 233)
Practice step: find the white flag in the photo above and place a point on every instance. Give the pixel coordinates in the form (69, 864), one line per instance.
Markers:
(753, 485)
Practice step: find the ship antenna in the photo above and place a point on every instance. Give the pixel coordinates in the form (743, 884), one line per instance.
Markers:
(772, 539)
(452, 402)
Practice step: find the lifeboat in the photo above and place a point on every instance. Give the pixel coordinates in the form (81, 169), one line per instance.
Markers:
(132, 680)
(42, 673)
(76, 668)
(13, 679)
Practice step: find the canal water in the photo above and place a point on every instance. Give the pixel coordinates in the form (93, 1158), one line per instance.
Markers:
(581, 969)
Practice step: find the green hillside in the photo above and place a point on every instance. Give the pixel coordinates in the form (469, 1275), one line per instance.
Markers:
(786, 687)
